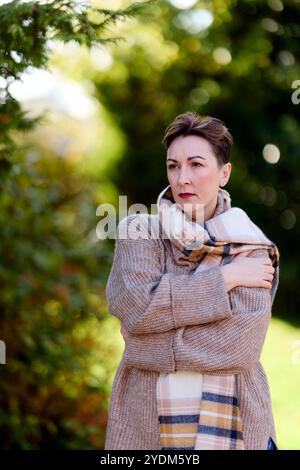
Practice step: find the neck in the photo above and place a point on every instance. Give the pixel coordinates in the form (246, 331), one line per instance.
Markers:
(209, 209)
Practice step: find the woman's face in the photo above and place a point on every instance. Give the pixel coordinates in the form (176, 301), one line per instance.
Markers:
(193, 168)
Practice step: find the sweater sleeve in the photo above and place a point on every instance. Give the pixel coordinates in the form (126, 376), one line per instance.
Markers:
(230, 346)
(148, 301)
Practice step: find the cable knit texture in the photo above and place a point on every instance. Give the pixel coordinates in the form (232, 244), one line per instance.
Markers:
(179, 319)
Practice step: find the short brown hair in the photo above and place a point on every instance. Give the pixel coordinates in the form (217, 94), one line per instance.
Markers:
(210, 128)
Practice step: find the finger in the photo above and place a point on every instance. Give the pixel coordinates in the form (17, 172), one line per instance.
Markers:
(270, 269)
(268, 278)
(267, 285)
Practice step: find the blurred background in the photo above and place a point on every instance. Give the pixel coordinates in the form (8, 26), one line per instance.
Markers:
(86, 91)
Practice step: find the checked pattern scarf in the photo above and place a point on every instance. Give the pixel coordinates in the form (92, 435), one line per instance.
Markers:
(201, 411)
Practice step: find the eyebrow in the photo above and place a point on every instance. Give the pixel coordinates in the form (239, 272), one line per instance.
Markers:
(189, 158)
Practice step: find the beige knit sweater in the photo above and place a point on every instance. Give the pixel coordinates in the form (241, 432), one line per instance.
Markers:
(179, 319)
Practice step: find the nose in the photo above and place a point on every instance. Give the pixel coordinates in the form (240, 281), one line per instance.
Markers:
(183, 177)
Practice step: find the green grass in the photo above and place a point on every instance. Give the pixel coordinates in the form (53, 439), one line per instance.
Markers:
(281, 361)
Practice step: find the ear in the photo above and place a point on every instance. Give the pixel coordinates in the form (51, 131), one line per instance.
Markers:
(225, 174)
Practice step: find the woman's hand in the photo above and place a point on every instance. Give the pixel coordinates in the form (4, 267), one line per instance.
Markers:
(248, 272)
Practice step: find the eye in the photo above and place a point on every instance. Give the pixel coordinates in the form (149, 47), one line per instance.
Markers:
(170, 167)
(197, 164)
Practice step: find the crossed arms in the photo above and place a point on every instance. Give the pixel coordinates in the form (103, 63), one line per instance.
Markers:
(184, 321)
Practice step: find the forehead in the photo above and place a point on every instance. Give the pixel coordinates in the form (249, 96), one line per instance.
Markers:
(185, 146)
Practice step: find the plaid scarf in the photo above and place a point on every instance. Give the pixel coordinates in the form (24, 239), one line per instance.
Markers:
(201, 411)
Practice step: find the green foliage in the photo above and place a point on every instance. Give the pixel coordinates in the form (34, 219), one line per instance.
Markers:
(25, 31)
(55, 385)
(29, 25)
(52, 279)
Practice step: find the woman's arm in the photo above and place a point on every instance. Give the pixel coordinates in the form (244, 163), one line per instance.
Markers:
(147, 301)
(229, 346)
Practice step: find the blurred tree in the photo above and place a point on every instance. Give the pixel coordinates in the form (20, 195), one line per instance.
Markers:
(55, 385)
(25, 31)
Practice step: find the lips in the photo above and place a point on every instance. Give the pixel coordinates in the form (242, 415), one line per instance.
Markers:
(186, 195)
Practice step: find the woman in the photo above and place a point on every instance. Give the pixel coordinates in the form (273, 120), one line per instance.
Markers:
(194, 292)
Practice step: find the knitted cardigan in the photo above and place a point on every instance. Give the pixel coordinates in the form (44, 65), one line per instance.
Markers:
(170, 329)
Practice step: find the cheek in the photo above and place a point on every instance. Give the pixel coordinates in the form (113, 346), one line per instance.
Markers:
(172, 178)
(206, 181)
(172, 183)
(205, 176)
